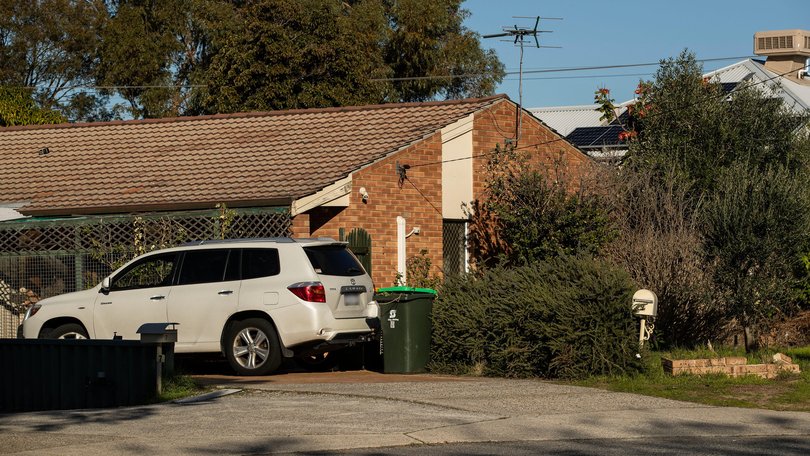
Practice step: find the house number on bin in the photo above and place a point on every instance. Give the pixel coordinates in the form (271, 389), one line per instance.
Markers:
(392, 318)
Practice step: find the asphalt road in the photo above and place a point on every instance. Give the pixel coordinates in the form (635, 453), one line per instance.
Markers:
(368, 413)
(739, 446)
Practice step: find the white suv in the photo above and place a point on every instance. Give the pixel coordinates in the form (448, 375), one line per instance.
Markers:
(254, 300)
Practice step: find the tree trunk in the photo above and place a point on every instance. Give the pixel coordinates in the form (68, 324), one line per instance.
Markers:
(751, 341)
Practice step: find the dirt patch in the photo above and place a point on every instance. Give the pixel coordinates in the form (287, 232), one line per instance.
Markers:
(792, 332)
(767, 395)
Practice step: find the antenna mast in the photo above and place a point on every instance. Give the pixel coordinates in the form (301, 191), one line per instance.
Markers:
(520, 34)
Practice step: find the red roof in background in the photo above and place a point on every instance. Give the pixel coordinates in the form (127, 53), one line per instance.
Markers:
(192, 162)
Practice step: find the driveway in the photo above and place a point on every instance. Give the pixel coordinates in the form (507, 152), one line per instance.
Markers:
(341, 411)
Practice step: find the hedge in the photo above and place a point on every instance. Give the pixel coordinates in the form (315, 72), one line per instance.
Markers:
(566, 318)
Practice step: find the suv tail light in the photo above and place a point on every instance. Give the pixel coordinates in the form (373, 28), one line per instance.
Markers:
(309, 291)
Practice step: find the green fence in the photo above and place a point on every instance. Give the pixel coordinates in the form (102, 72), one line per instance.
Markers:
(41, 257)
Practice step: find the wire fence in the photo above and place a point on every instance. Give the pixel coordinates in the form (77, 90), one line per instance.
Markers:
(43, 258)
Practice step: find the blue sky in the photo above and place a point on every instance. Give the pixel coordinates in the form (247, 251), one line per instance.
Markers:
(609, 32)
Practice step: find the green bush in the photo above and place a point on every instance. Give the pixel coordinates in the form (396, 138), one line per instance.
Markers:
(566, 318)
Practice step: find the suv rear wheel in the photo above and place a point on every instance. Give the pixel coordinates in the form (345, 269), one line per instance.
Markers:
(252, 347)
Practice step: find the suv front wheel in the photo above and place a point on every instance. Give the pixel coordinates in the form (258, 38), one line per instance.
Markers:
(252, 347)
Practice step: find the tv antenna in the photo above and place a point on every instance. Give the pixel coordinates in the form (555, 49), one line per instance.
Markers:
(520, 35)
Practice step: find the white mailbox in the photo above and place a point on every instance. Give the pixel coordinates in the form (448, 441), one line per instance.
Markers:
(645, 303)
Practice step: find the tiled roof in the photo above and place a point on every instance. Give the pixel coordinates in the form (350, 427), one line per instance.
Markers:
(189, 162)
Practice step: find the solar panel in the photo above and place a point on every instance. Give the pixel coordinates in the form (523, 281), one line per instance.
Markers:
(596, 136)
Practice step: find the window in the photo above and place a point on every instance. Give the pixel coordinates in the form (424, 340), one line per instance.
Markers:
(203, 266)
(259, 263)
(154, 271)
(454, 240)
(334, 260)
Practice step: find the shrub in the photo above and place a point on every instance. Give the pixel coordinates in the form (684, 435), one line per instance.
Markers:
(568, 317)
(660, 245)
(530, 213)
(757, 226)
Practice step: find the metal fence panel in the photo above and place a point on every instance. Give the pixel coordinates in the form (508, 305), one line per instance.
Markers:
(72, 374)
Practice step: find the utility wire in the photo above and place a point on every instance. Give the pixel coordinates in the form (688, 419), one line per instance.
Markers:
(423, 196)
(111, 87)
(654, 114)
(592, 76)
(420, 78)
(546, 70)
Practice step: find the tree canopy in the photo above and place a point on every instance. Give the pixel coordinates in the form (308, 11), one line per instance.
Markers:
(184, 57)
(729, 171)
(49, 46)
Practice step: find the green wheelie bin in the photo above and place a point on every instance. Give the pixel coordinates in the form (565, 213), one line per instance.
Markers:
(406, 327)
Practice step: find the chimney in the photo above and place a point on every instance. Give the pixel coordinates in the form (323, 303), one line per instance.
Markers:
(788, 53)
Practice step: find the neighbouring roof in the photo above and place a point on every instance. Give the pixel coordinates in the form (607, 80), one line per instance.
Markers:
(265, 158)
(581, 125)
(795, 95)
(564, 119)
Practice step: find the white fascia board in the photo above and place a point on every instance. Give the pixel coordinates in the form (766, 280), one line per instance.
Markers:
(457, 168)
(8, 211)
(333, 195)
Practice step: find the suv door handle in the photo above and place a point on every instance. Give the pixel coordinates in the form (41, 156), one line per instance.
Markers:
(225, 292)
(157, 297)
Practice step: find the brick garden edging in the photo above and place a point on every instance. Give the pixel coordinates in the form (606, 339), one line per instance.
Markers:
(733, 366)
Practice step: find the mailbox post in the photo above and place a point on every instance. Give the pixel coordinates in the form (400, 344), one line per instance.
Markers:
(164, 338)
(645, 305)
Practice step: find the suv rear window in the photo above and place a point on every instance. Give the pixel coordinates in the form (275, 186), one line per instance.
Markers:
(203, 266)
(259, 263)
(334, 260)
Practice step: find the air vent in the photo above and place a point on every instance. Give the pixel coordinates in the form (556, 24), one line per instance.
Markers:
(775, 42)
(782, 42)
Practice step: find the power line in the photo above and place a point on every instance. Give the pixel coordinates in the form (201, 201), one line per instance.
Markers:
(652, 115)
(547, 70)
(113, 87)
(423, 195)
(591, 76)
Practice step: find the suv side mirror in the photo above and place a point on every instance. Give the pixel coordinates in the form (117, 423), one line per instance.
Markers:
(105, 285)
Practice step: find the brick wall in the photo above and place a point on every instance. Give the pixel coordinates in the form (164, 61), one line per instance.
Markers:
(545, 148)
(387, 199)
(731, 366)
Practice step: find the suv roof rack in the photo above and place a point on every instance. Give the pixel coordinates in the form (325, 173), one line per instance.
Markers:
(280, 240)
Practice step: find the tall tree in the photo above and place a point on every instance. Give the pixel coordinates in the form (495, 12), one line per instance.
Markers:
(689, 124)
(427, 38)
(153, 51)
(737, 167)
(298, 54)
(50, 47)
(315, 53)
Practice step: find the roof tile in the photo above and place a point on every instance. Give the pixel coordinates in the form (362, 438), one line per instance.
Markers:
(271, 156)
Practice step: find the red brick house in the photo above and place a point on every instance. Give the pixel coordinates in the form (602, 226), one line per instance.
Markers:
(329, 171)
